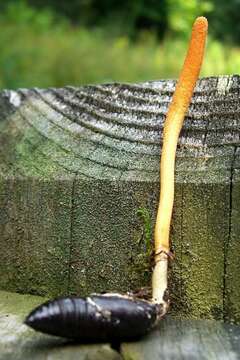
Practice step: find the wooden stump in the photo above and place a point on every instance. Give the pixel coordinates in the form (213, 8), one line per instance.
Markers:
(79, 187)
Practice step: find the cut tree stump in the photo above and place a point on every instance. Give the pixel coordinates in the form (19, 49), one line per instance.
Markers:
(79, 188)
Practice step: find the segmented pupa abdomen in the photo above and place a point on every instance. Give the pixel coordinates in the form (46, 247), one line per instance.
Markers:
(97, 317)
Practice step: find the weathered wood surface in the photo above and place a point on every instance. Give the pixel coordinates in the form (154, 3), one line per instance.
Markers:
(187, 340)
(77, 165)
(173, 339)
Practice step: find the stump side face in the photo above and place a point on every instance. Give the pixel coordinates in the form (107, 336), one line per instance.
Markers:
(232, 284)
(79, 187)
(35, 235)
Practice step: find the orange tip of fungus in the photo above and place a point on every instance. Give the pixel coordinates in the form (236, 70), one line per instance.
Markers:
(201, 24)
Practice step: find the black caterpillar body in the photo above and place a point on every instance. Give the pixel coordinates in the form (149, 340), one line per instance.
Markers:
(97, 317)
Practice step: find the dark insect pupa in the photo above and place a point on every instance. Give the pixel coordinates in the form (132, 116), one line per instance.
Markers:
(97, 317)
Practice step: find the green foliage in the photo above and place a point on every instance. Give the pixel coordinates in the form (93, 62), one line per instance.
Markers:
(181, 14)
(126, 15)
(225, 20)
(21, 14)
(40, 49)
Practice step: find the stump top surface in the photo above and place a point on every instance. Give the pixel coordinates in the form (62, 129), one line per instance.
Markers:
(114, 131)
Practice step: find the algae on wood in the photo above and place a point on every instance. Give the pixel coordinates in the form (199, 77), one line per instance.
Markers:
(35, 235)
(76, 165)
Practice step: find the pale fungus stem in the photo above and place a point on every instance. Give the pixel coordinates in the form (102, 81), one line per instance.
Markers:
(172, 127)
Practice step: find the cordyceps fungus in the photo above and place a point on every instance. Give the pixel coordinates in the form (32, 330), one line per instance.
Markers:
(113, 317)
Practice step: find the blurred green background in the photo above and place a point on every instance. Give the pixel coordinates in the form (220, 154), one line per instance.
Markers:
(59, 42)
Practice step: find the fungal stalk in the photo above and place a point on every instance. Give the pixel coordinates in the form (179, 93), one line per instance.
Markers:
(172, 127)
(115, 317)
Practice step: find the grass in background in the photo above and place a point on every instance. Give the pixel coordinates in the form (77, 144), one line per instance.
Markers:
(37, 52)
